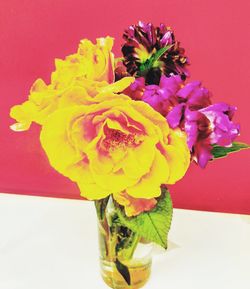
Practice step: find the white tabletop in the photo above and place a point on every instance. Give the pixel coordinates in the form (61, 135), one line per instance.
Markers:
(48, 243)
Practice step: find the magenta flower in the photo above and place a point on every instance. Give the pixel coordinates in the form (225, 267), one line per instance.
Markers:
(172, 92)
(191, 95)
(162, 97)
(197, 128)
(205, 127)
(194, 95)
(188, 106)
(224, 131)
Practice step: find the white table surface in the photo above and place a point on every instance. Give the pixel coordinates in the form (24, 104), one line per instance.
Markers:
(48, 243)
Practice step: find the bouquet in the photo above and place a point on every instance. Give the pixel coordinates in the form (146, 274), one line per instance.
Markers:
(123, 129)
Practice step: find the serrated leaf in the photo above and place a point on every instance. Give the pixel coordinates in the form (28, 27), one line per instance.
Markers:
(220, 152)
(153, 225)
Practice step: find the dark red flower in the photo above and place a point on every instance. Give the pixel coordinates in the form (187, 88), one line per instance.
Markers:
(144, 53)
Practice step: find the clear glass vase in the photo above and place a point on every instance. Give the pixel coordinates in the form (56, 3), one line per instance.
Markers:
(125, 258)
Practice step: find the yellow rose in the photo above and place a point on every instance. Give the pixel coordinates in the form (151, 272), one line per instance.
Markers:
(76, 80)
(91, 62)
(113, 146)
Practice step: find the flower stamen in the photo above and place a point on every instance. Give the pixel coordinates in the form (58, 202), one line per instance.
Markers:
(117, 139)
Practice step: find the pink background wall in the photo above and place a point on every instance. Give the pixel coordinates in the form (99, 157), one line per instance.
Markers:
(216, 36)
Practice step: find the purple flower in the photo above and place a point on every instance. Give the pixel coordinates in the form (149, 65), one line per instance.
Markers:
(205, 127)
(224, 131)
(197, 128)
(194, 95)
(188, 106)
(162, 97)
(171, 95)
(175, 115)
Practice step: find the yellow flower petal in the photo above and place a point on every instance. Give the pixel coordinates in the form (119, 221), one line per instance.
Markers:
(149, 185)
(138, 161)
(23, 114)
(178, 156)
(91, 68)
(55, 139)
(118, 86)
(92, 191)
(74, 96)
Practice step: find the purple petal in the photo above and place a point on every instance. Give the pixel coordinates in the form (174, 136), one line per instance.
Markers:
(196, 127)
(188, 89)
(173, 82)
(138, 84)
(224, 131)
(191, 129)
(203, 154)
(221, 107)
(175, 115)
(200, 97)
(166, 39)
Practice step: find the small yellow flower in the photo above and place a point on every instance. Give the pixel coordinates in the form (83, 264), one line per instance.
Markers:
(116, 145)
(76, 80)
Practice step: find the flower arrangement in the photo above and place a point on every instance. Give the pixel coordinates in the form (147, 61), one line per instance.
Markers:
(123, 129)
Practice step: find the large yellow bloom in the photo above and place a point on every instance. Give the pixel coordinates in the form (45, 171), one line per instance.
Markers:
(77, 79)
(115, 145)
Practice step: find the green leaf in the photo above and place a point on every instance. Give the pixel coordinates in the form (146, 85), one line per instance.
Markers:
(123, 270)
(149, 63)
(100, 206)
(220, 152)
(159, 54)
(153, 225)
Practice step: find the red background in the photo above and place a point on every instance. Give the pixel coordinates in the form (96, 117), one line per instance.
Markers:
(215, 34)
